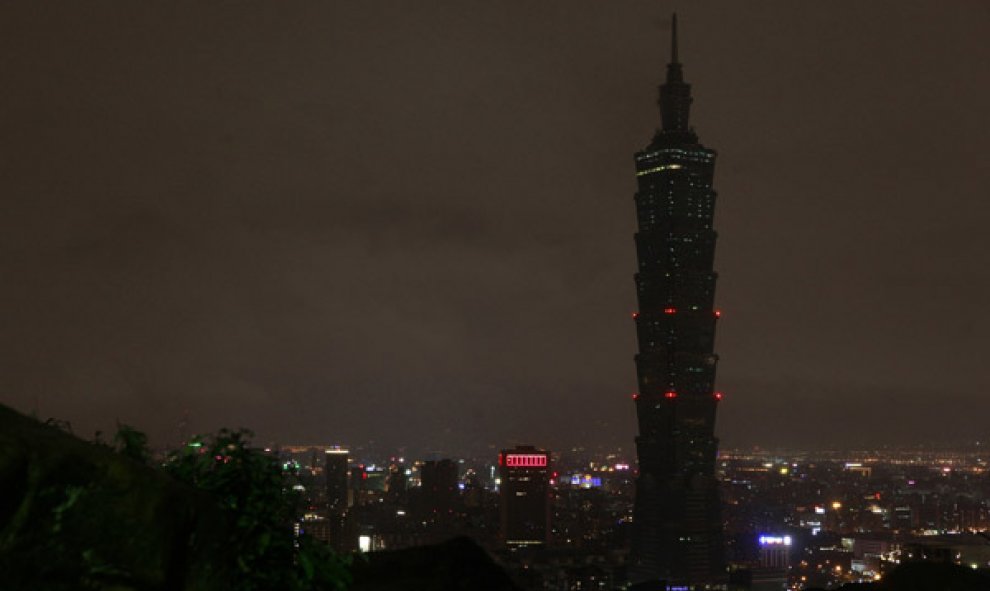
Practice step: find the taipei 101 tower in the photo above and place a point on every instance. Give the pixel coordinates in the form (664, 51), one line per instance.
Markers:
(677, 524)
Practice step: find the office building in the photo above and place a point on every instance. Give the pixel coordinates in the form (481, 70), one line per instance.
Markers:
(438, 487)
(335, 469)
(677, 526)
(524, 496)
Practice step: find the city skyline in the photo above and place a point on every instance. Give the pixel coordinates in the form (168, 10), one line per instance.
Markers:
(412, 225)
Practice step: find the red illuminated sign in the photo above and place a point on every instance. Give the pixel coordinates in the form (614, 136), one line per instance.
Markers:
(526, 460)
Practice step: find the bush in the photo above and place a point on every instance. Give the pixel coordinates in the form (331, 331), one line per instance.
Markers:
(256, 493)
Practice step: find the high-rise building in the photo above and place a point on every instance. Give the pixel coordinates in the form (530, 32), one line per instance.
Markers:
(524, 495)
(677, 527)
(771, 575)
(438, 488)
(335, 462)
(398, 484)
(335, 469)
(775, 551)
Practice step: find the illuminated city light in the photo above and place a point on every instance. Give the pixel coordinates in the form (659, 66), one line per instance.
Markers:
(526, 460)
(718, 313)
(775, 540)
(658, 169)
(635, 315)
(635, 396)
(718, 396)
(585, 481)
(670, 395)
(670, 310)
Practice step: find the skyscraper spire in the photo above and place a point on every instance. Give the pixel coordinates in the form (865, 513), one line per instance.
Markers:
(673, 41)
(675, 94)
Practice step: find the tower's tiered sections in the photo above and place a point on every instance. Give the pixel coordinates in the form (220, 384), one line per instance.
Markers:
(677, 521)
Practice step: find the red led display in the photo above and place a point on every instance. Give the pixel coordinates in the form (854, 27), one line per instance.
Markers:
(526, 460)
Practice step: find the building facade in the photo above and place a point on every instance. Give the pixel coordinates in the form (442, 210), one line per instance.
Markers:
(335, 469)
(438, 489)
(677, 533)
(524, 496)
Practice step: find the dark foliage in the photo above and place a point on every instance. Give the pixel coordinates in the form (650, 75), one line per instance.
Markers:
(132, 443)
(74, 515)
(927, 576)
(256, 493)
(84, 516)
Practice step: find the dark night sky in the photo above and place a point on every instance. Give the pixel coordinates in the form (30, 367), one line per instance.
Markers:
(346, 221)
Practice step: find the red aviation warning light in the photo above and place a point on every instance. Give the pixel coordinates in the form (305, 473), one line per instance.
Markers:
(670, 395)
(670, 310)
(635, 315)
(718, 396)
(635, 396)
(718, 313)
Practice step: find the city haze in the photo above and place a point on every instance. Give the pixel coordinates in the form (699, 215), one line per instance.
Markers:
(352, 222)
